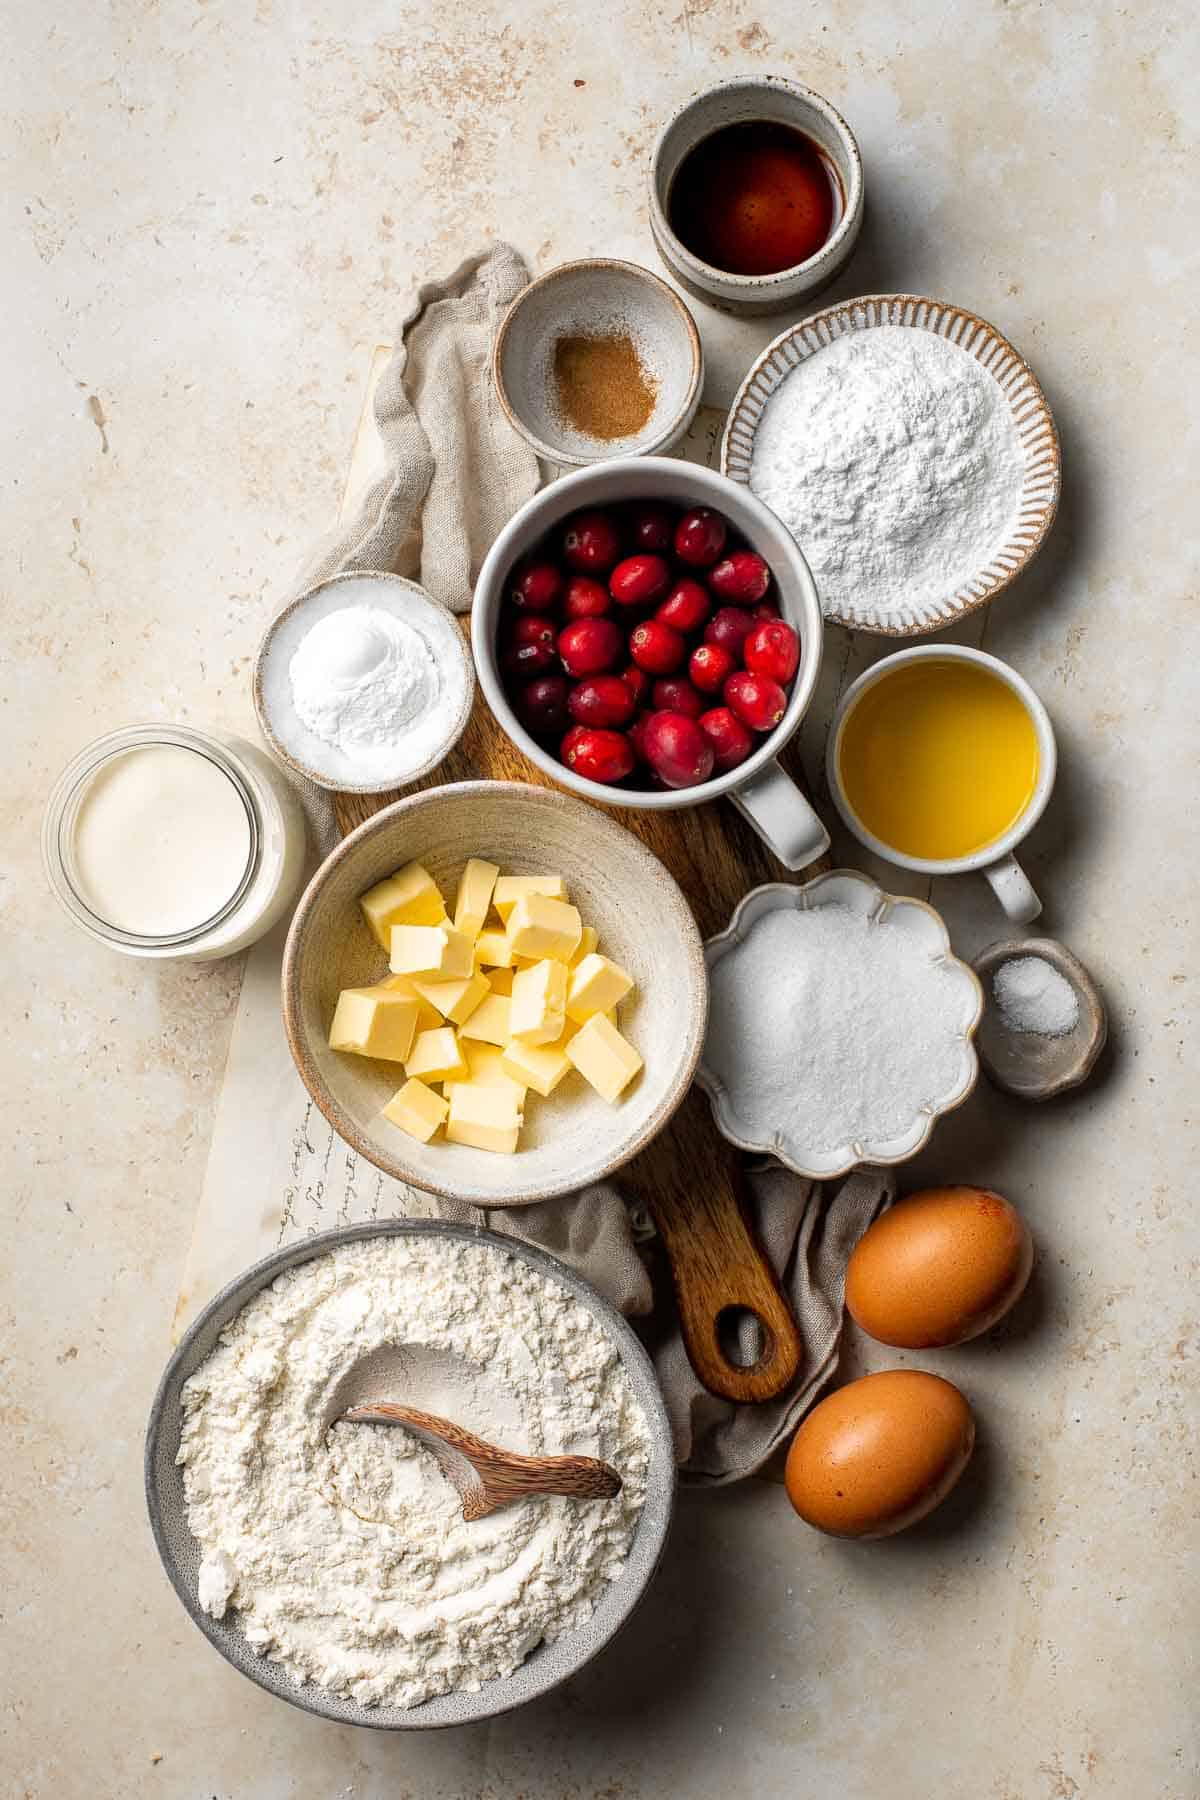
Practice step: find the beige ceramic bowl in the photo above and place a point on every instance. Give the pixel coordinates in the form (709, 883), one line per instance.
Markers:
(573, 1137)
(600, 297)
(756, 97)
(1026, 402)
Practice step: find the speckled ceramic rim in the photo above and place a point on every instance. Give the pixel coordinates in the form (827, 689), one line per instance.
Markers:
(588, 820)
(802, 899)
(648, 446)
(454, 729)
(1000, 847)
(1030, 413)
(764, 292)
(549, 1664)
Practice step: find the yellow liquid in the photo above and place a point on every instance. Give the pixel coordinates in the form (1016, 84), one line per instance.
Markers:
(939, 759)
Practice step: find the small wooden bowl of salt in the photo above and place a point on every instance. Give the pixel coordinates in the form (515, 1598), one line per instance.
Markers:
(1044, 1023)
(598, 359)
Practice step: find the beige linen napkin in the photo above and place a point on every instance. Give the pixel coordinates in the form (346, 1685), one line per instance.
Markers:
(454, 472)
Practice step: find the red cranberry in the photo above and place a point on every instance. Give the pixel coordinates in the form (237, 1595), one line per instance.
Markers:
(532, 628)
(541, 705)
(710, 667)
(652, 527)
(677, 750)
(700, 537)
(757, 701)
(637, 681)
(636, 733)
(730, 740)
(730, 627)
(538, 587)
(605, 756)
(743, 577)
(537, 658)
(656, 648)
(772, 649)
(639, 580)
(591, 542)
(674, 694)
(586, 598)
(590, 646)
(766, 609)
(602, 700)
(686, 606)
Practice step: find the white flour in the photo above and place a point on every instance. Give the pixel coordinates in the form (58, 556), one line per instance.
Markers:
(892, 457)
(833, 1030)
(363, 680)
(343, 1547)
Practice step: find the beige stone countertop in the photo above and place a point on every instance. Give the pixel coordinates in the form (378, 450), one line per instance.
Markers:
(212, 211)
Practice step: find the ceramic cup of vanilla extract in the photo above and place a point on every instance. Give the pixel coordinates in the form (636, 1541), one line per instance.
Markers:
(942, 759)
(756, 195)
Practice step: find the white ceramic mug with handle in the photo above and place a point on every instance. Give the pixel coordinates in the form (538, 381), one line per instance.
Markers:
(759, 787)
(993, 860)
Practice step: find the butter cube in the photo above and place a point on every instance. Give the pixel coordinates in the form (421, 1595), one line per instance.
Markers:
(486, 1117)
(539, 999)
(436, 1056)
(474, 896)
(489, 1022)
(437, 951)
(542, 927)
(493, 950)
(596, 985)
(501, 980)
(410, 897)
(484, 1067)
(539, 1066)
(589, 937)
(510, 888)
(374, 1022)
(427, 1016)
(417, 1110)
(603, 1056)
(454, 1000)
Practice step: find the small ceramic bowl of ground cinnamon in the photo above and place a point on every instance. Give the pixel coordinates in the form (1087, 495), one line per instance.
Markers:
(598, 359)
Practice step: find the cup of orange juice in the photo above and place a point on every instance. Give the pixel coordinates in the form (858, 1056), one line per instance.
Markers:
(941, 759)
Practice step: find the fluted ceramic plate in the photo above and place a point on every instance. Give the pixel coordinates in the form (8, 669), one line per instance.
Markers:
(735, 1104)
(1026, 402)
(547, 1665)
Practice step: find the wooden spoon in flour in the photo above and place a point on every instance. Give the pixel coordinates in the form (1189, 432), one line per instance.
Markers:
(487, 1477)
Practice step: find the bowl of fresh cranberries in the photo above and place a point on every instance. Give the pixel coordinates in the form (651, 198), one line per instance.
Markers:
(649, 634)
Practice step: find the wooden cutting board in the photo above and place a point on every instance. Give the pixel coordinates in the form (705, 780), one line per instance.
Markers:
(689, 1178)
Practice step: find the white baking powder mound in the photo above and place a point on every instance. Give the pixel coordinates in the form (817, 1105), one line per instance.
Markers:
(892, 457)
(342, 1546)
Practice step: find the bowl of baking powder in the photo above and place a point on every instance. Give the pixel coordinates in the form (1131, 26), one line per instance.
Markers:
(329, 1561)
(364, 683)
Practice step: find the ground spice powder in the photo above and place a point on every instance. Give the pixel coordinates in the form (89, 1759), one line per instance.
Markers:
(603, 390)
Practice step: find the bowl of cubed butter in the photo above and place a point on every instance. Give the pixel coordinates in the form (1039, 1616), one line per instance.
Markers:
(494, 992)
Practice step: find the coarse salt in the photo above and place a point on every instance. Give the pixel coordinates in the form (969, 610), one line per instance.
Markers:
(828, 1029)
(1034, 997)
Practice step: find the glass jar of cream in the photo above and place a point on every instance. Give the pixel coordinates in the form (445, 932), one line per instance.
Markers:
(166, 842)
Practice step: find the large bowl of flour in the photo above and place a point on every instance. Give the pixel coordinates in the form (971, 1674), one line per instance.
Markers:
(330, 1561)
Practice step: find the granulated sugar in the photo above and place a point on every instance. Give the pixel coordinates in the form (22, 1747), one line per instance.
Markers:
(832, 1029)
(1034, 997)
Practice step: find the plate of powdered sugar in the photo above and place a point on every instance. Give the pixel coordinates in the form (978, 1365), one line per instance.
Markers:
(364, 683)
(329, 1559)
(840, 1027)
(909, 450)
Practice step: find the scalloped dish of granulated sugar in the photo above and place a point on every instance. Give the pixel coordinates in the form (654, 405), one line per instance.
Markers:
(840, 1025)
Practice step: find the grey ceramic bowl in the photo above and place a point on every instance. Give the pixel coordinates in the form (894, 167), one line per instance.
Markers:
(599, 297)
(754, 97)
(549, 1664)
(1024, 1063)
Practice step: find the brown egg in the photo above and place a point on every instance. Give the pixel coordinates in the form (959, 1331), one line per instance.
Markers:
(879, 1454)
(940, 1267)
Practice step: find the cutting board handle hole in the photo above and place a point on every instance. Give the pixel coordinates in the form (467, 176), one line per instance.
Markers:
(742, 1337)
